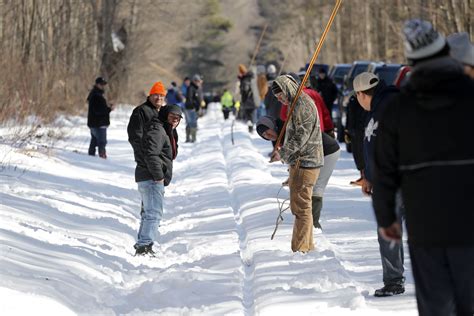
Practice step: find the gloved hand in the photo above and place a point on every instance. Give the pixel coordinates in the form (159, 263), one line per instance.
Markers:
(331, 133)
(347, 137)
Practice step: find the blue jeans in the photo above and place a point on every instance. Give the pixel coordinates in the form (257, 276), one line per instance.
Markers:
(152, 194)
(98, 139)
(191, 118)
(392, 255)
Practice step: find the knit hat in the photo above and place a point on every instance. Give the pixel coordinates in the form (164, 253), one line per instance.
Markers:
(167, 109)
(461, 48)
(197, 77)
(100, 80)
(265, 123)
(365, 81)
(421, 39)
(158, 88)
(271, 69)
(173, 108)
(242, 69)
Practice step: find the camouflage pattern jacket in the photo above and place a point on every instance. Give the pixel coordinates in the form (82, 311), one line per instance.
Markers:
(303, 140)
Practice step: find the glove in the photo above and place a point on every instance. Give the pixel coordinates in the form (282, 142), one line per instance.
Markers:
(347, 137)
(331, 133)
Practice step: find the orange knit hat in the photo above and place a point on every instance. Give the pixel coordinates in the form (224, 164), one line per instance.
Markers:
(158, 88)
(242, 69)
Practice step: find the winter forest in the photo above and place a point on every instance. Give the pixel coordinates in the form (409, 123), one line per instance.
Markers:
(194, 108)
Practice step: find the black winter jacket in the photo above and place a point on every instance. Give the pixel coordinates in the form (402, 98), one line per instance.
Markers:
(425, 148)
(328, 91)
(193, 97)
(141, 115)
(99, 112)
(157, 154)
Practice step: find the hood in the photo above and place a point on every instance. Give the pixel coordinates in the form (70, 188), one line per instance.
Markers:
(288, 85)
(436, 82)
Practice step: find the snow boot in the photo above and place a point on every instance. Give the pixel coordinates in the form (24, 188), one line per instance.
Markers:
(250, 125)
(188, 134)
(390, 290)
(316, 206)
(144, 250)
(193, 134)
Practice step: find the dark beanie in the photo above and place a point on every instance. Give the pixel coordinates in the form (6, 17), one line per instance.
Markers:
(276, 88)
(265, 123)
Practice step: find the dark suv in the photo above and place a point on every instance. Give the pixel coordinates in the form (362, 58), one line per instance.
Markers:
(385, 72)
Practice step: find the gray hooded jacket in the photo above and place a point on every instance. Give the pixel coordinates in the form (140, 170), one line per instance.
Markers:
(303, 140)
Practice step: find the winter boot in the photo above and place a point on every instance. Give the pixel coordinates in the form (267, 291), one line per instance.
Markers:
(250, 125)
(188, 134)
(390, 290)
(144, 250)
(193, 134)
(103, 155)
(316, 206)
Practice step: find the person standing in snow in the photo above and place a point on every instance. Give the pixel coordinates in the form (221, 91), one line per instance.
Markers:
(173, 96)
(227, 102)
(302, 150)
(262, 85)
(159, 148)
(247, 104)
(327, 88)
(374, 96)
(424, 149)
(268, 128)
(192, 107)
(98, 117)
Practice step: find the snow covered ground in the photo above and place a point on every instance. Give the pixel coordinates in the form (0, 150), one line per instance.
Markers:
(68, 222)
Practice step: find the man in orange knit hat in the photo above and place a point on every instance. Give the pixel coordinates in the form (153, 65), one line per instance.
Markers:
(141, 115)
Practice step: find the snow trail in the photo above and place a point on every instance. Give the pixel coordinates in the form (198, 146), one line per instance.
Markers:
(69, 221)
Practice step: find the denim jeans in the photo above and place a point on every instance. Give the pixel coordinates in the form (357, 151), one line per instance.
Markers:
(191, 118)
(98, 139)
(152, 194)
(392, 255)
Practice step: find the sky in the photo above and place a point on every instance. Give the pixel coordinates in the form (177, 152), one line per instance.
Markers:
(68, 222)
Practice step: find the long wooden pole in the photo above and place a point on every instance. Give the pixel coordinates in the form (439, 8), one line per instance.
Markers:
(308, 71)
(257, 48)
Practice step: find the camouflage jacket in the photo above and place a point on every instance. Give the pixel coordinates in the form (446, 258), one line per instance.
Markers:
(303, 139)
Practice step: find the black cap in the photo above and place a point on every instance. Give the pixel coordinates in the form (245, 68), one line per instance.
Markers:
(100, 80)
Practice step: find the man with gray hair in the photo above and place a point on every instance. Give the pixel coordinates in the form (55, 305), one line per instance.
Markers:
(423, 148)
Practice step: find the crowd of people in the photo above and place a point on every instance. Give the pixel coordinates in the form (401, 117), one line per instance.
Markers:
(411, 146)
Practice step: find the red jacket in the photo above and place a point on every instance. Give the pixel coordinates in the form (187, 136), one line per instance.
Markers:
(323, 112)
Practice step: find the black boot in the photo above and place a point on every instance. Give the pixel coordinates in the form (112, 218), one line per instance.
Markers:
(316, 206)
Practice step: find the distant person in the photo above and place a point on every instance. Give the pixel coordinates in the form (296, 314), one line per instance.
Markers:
(326, 88)
(192, 107)
(271, 73)
(98, 117)
(184, 86)
(354, 135)
(173, 95)
(302, 150)
(159, 147)
(262, 85)
(462, 50)
(227, 102)
(424, 149)
(247, 104)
